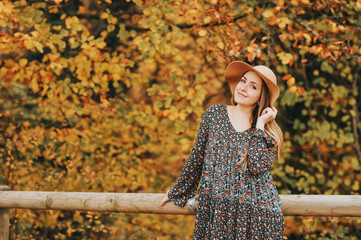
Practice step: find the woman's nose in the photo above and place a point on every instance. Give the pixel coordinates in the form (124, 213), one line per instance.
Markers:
(243, 87)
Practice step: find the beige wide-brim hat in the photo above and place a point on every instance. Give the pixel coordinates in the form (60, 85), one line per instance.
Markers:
(235, 70)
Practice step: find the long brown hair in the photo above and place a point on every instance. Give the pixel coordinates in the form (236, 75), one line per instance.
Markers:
(271, 127)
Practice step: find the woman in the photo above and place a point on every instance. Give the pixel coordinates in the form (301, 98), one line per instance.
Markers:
(232, 157)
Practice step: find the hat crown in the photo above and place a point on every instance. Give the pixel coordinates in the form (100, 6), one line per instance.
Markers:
(267, 72)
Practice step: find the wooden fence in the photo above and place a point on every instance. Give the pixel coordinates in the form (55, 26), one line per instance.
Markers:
(292, 205)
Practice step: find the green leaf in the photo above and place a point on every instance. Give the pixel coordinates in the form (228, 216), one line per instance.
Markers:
(326, 67)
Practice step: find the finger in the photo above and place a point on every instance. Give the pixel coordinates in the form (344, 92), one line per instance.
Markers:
(275, 111)
(268, 111)
(164, 200)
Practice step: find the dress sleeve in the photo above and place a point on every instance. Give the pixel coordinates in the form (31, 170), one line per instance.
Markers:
(260, 154)
(187, 183)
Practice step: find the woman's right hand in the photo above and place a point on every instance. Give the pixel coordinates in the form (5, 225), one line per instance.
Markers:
(164, 200)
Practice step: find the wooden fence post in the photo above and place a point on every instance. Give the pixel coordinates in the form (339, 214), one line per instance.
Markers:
(4, 218)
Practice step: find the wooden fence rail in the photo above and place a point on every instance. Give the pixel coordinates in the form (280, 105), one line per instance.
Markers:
(292, 205)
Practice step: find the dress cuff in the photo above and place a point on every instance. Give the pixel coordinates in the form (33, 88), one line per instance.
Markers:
(259, 133)
(179, 201)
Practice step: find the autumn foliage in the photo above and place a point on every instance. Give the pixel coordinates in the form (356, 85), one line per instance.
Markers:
(106, 96)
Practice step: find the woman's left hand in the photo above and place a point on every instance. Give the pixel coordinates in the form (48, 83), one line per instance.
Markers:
(164, 200)
(268, 114)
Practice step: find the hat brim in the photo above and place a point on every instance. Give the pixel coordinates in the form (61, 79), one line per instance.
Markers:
(235, 70)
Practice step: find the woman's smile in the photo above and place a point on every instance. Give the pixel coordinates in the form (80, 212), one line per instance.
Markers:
(241, 94)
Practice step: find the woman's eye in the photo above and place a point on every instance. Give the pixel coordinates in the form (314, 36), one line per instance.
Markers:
(254, 87)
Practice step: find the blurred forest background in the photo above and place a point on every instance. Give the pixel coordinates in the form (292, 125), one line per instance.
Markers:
(107, 96)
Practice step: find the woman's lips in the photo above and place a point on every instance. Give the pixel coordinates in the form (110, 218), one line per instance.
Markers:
(242, 94)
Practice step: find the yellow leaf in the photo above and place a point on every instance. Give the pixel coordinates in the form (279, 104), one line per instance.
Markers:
(23, 62)
(286, 58)
(104, 15)
(352, 101)
(220, 45)
(28, 44)
(267, 13)
(305, 2)
(34, 85)
(18, 35)
(252, 48)
(113, 20)
(35, 34)
(44, 91)
(283, 22)
(71, 40)
(38, 46)
(57, 28)
(358, 4)
(110, 28)
(191, 93)
(356, 186)
(308, 37)
(289, 169)
(207, 19)
(100, 45)
(68, 22)
(202, 33)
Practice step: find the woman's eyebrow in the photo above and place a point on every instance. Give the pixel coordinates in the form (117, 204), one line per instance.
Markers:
(247, 80)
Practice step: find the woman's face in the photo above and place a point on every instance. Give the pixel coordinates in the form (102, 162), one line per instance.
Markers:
(248, 89)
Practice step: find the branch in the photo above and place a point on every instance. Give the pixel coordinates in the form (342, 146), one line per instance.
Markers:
(309, 109)
(295, 18)
(356, 120)
(214, 23)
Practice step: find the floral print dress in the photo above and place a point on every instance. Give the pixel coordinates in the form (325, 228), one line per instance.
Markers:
(234, 203)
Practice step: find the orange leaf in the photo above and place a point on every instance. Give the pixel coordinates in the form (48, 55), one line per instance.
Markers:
(286, 77)
(301, 91)
(291, 81)
(82, 9)
(293, 89)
